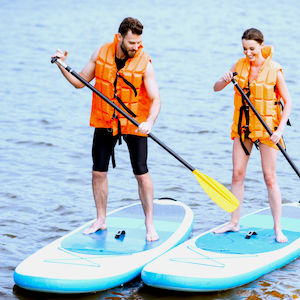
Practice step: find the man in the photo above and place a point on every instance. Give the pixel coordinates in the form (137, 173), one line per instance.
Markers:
(123, 72)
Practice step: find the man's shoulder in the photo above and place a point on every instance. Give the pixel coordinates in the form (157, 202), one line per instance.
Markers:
(104, 50)
(144, 56)
(105, 46)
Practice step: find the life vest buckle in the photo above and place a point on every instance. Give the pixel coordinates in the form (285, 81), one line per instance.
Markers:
(246, 130)
(256, 143)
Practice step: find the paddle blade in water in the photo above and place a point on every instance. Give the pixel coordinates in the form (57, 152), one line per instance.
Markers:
(217, 192)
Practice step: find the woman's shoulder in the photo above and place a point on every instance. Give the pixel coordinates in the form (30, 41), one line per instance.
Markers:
(274, 64)
(243, 59)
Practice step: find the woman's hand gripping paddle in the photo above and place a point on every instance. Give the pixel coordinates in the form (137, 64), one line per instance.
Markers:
(262, 121)
(216, 191)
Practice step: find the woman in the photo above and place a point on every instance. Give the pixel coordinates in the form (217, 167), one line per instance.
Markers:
(263, 81)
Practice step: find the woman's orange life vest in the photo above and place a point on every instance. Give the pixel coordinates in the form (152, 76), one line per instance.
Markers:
(104, 115)
(264, 96)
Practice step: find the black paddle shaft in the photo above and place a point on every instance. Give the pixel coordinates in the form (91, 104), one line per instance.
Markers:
(262, 121)
(117, 108)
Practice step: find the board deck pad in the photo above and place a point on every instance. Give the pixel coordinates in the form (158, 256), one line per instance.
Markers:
(236, 243)
(131, 220)
(264, 241)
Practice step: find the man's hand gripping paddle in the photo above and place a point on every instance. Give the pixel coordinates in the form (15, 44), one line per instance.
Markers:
(216, 191)
(262, 121)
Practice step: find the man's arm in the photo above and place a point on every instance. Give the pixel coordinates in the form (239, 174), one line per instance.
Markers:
(88, 72)
(153, 93)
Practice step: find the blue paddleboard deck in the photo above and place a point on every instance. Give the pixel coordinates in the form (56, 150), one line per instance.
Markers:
(167, 219)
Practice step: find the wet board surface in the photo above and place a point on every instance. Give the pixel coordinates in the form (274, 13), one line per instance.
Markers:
(214, 262)
(78, 263)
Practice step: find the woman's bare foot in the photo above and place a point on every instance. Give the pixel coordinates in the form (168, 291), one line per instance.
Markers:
(228, 227)
(280, 237)
(97, 225)
(151, 233)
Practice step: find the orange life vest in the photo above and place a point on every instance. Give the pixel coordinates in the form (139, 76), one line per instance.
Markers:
(129, 88)
(264, 96)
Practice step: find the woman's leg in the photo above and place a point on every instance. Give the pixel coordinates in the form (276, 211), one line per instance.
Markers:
(240, 161)
(268, 162)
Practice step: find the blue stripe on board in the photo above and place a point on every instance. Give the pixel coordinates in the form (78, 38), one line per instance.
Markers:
(196, 284)
(52, 285)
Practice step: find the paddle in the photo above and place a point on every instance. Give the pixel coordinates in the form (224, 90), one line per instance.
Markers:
(216, 191)
(262, 121)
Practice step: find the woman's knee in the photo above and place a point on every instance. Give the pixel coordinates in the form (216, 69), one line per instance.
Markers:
(270, 180)
(238, 176)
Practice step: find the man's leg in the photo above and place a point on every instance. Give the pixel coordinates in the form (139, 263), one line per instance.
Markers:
(100, 191)
(138, 149)
(146, 195)
(102, 149)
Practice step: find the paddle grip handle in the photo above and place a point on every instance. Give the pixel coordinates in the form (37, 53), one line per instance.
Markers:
(54, 59)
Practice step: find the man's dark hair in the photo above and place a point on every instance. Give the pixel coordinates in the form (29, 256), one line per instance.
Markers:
(132, 24)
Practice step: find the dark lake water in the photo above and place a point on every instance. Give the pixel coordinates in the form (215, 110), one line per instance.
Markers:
(45, 139)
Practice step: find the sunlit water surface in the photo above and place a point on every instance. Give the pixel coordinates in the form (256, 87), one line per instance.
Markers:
(45, 139)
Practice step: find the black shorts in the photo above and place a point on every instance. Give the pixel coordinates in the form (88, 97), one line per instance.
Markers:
(103, 147)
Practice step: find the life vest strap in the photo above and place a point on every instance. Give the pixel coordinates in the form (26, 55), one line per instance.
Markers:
(124, 106)
(115, 116)
(128, 83)
(245, 129)
(113, 160)
(282, 106)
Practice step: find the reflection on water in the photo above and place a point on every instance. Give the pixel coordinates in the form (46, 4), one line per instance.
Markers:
(45, 140)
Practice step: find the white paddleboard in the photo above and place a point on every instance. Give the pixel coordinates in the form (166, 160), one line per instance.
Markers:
(78, 263)
(214, 262)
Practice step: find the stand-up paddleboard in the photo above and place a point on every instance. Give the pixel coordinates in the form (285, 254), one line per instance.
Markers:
(214, 262)
(78, 263)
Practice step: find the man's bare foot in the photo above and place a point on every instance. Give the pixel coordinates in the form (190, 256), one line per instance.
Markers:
(151, 234)
(280, 237)
(97, 225)
(228, 227)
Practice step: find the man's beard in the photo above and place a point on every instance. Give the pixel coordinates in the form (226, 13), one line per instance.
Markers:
(128, 54)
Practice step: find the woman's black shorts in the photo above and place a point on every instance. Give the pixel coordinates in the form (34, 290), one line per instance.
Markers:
(103, 147)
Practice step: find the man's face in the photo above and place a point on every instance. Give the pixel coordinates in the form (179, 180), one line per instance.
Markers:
(130, 43)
